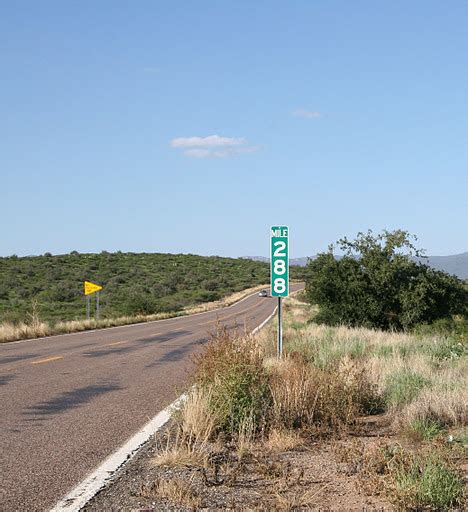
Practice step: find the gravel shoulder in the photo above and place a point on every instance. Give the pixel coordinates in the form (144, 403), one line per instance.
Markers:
(312, 476)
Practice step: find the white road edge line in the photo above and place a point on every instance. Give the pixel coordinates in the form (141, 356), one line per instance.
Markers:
(265, 321)
(77, 498)
(85, 490)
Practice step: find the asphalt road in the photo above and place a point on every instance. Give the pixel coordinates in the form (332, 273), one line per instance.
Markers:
(67, 402)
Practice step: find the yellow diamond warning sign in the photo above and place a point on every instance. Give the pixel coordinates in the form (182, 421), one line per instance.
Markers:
(90, 288)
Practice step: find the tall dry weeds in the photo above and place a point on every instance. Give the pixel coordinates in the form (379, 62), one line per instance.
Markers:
(196, 418)
(306, 396)
(295, 387)
(231, 370)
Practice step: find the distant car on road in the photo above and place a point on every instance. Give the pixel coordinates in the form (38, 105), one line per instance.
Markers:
(263, 293)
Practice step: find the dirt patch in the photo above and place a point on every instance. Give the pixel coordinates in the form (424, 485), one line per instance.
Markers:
(318, 474)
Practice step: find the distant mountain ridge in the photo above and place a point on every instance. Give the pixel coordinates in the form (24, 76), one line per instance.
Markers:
(456, 264)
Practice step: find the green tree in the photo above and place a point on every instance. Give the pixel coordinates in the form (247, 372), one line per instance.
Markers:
(376, 283)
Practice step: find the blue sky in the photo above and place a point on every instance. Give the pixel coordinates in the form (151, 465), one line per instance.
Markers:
(170, 126)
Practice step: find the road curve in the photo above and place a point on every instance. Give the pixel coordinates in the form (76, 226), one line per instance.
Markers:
(69, 401)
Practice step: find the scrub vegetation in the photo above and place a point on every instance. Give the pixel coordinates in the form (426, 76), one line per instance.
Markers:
(133, 283)
(388, 411)
(43, 295)
(34, 327)
(376, 284)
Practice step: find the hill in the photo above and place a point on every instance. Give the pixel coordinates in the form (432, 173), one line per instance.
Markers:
(456, 264)
(133, 282)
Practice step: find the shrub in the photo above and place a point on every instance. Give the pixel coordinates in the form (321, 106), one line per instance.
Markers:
(403, 386)
(424, 429)
(295, 387)
(424, 482)
(376, 285)
(231, 369)
(449, 349)
(140, 303)
(455, 328)
(306, 396)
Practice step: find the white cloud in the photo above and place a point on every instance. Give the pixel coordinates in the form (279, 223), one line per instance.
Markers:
(212, 146)
(211, 153)
(307, 114)
(198, 153)
(206, 142)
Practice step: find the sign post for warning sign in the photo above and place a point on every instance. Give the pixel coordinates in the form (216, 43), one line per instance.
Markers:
(279, 272)
(89, 289)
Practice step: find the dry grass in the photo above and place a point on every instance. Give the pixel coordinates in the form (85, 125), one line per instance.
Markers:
(424, 480)
(282, 440)
(188, 443)
(195, 416)
(295, 388)
(328, 377)
(297, 310)
(34, 328)
(249, 408)
(175, 490)
(245, 438)
(418, 378)
(448, 408)
(286, 501)
(11, 332)
(304, 396)
(181, 450)
(302, 500)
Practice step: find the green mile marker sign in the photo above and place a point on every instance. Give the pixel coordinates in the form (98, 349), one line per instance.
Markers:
(279, 258)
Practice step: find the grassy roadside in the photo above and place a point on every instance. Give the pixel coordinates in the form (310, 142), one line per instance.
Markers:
(350, 418)
(35, 328)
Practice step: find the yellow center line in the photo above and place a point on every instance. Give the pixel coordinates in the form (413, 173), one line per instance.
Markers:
(115, 343)
(48, 360)
(209, 322)
(227, 317)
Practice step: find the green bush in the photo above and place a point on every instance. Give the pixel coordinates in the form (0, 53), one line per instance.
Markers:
(403, 386)
(140, 303)
(454, 330)
(425, 482)
(376, 284)
(233, 373)
(424, 429)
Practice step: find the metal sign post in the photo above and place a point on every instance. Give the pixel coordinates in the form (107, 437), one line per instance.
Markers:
(280, 328)
(97, 305)
(279, 272)
(88, 306)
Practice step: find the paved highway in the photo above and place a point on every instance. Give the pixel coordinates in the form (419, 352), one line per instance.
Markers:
(67, 402)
